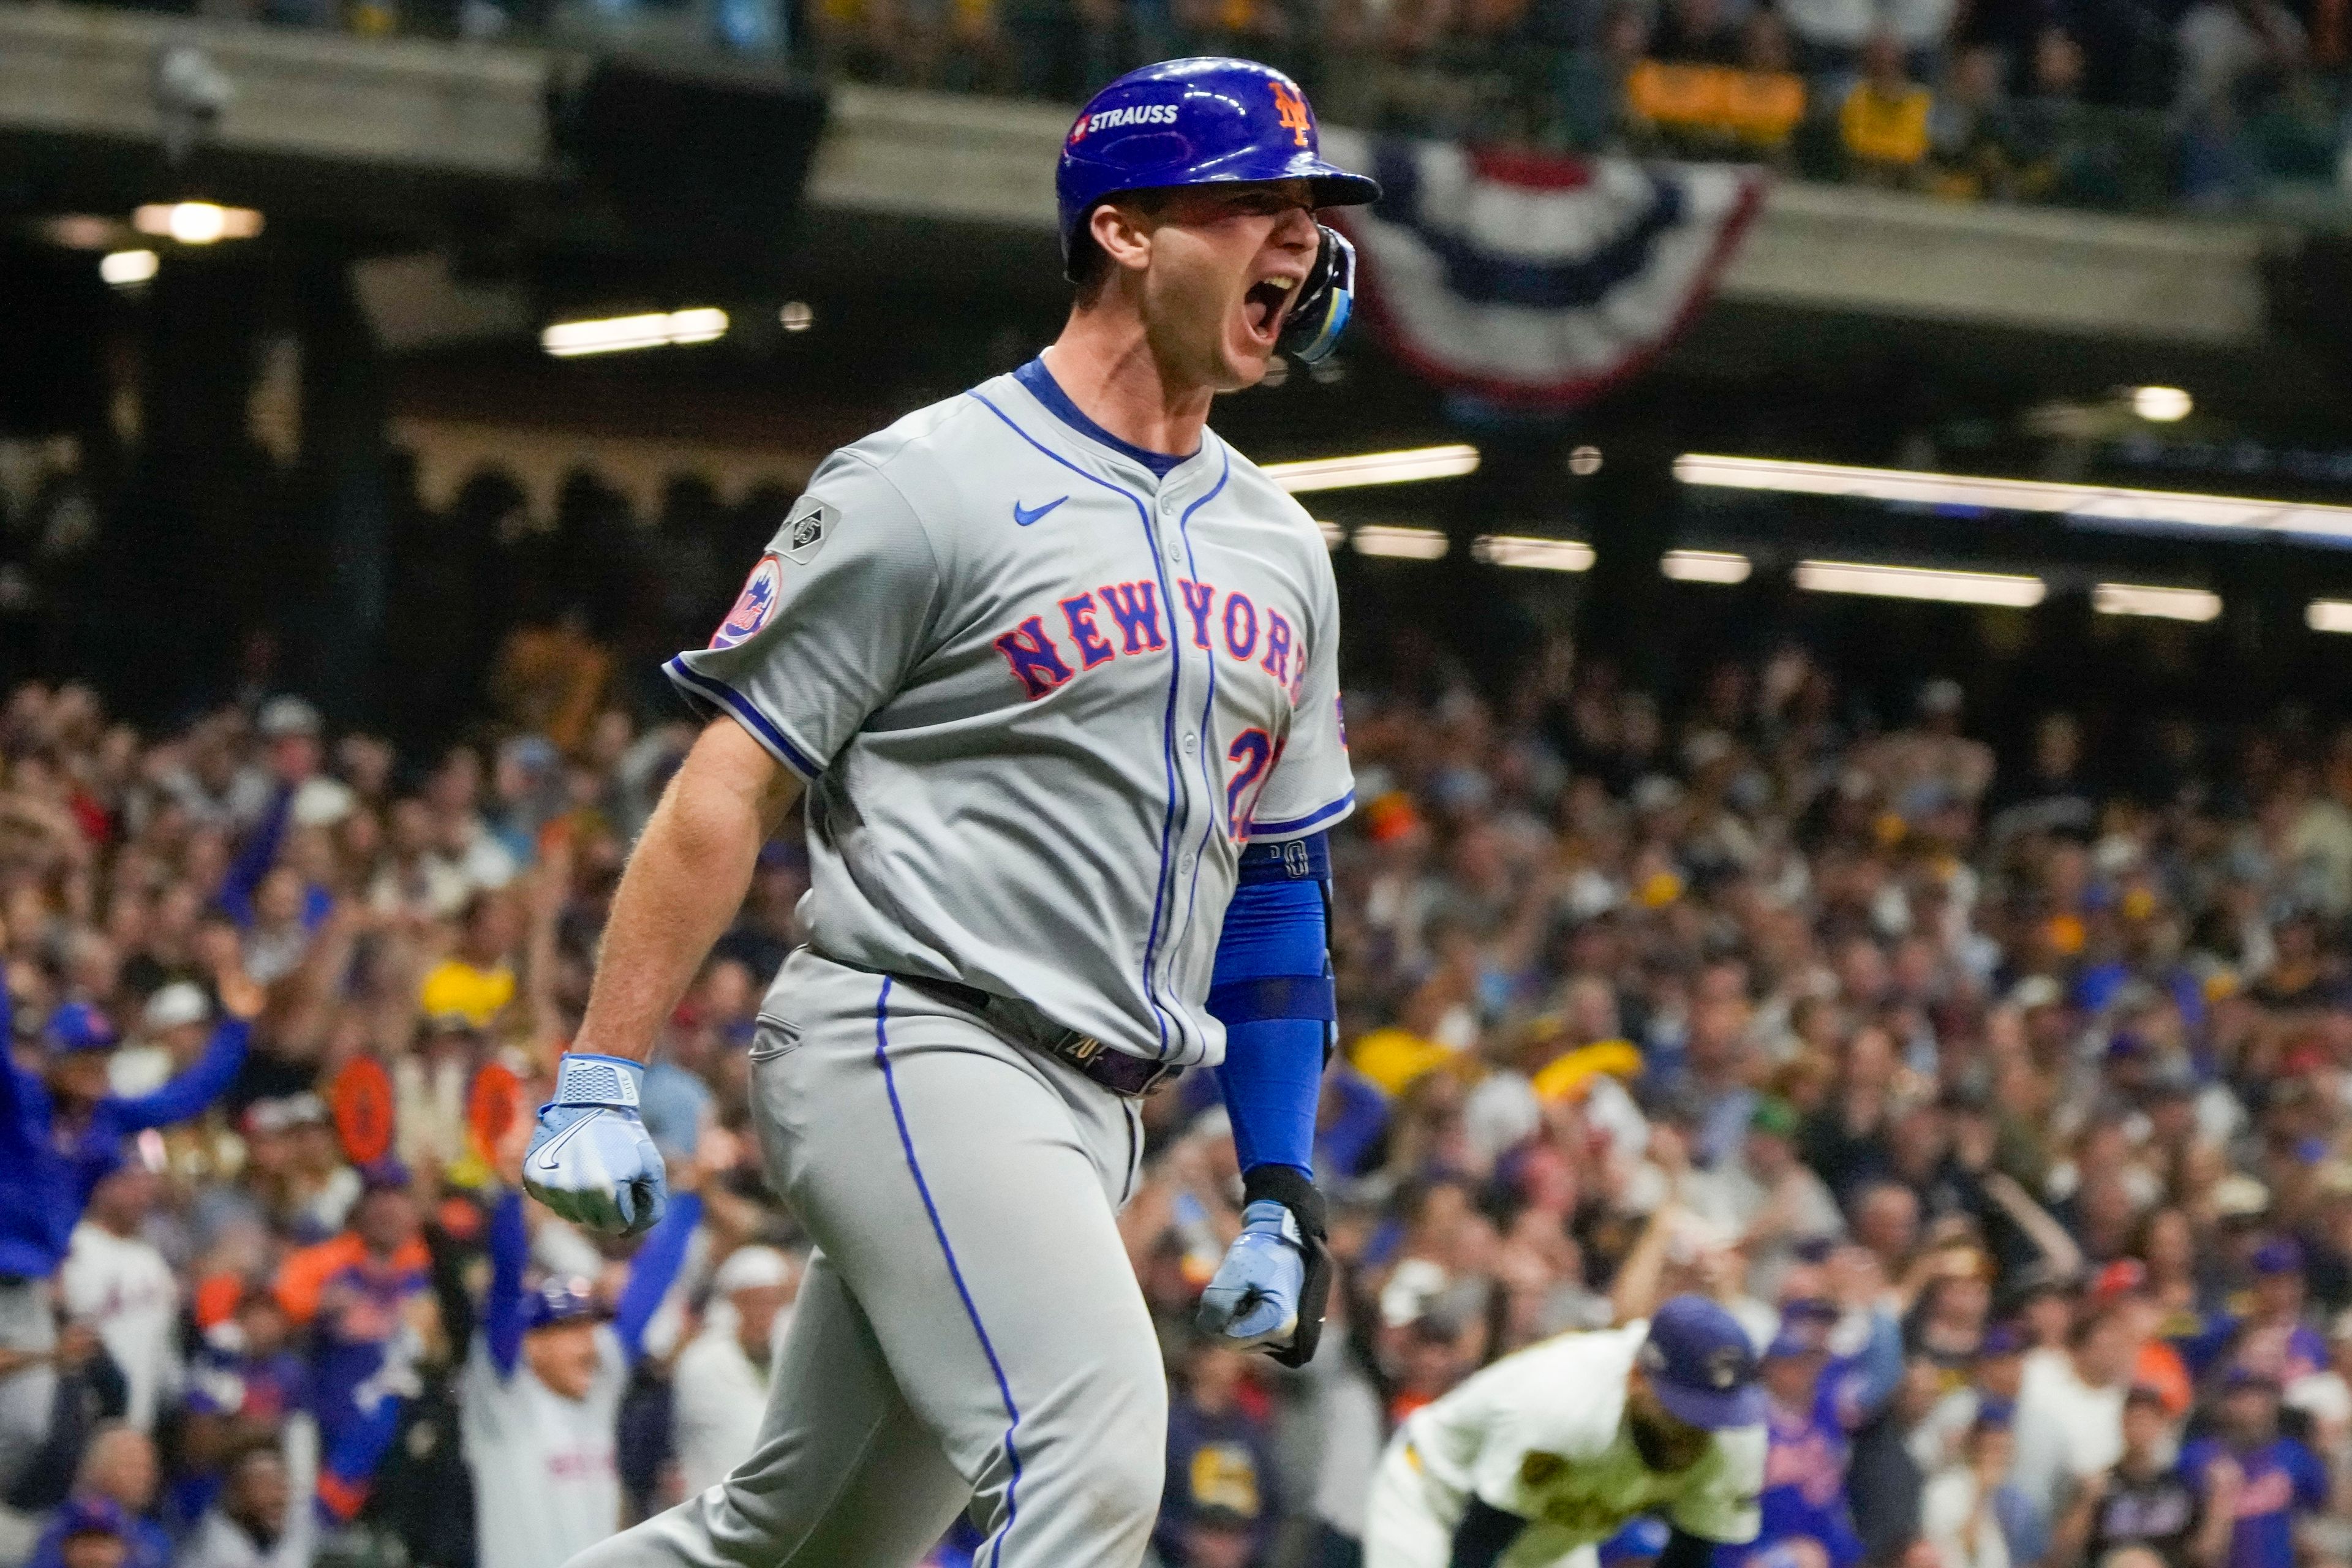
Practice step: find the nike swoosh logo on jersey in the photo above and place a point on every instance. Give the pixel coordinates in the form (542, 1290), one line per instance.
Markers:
(547, 1160)
(1023, 516)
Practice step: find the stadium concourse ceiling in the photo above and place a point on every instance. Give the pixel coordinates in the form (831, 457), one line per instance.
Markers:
(897, 245)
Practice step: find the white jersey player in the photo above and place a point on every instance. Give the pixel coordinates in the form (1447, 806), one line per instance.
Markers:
(539, 1400)
(1539, 1457)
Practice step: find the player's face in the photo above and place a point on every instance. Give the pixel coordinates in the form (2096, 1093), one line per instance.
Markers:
(564, 1356)
(1225, 268)
(1666, 1444)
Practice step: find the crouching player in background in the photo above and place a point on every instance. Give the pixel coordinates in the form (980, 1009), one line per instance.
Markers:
(1546, 1454)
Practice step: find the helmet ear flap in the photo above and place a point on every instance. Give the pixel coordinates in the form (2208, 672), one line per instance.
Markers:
(1326, 299)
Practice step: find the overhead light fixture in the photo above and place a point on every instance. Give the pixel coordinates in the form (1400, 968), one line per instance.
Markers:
(1705, 566)
(196, 223)
(613, 334)
(82, 231)
(124, 268)
(1920, 582)
(2161, 405)
(2091, 503)
(2164, 603)
(2328, 615)
(1530, 551)
(1400, 543)
(1584, 462)
(1375, 468)
(796, 316)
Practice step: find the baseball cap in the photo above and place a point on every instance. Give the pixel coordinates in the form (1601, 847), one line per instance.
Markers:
(79, 1026)
(2248, 1377)
(2240, 1196)
(284, 716)
(2124, 1276)
(385, 1175)
(180, 1002)
(751, 1269)
(1774, 1115)
(2279, 1255)
(1698, 1360)
(2001, 1339)
(559, 1299)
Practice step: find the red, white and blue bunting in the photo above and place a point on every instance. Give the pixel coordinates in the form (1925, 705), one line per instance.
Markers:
(1532, 280)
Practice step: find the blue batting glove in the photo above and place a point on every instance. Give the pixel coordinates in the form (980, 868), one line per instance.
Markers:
(591, 1158)
(1254, 1299)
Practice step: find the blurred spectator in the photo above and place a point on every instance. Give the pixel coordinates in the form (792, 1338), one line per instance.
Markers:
(2251, 1474)
(1221, 1478)
(721, 1379)
(2144, 1502)
(114, 1490)
(266, 1517)
(2010, 1095)
(1958, 1515)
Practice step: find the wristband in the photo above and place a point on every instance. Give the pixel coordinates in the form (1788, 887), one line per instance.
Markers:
(585, 1079)
(1290, 1187)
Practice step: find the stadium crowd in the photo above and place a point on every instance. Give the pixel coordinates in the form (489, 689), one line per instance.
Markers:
(2007, 1106)
(2107, 103)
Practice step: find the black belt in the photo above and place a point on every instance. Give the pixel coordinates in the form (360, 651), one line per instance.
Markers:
(1116, 1070)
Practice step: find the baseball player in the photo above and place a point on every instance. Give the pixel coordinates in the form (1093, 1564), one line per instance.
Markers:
(1548, 1453)
(1057, 671)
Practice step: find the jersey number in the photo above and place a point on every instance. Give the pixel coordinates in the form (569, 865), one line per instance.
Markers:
(1253, 752)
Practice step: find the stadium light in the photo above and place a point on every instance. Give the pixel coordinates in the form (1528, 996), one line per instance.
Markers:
(1400, 543)
(1705, 566)
(613, 334)
(2161, 405)
(124, 268)
(796, 316)
(2094, 503)
(2329, 615)
(196, 223)
(82, 231)
(1526, 550)
(1920, 582)
(1375, 468)
(2164, 603)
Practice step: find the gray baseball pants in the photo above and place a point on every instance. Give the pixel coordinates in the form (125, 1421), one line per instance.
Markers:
(970, 1332)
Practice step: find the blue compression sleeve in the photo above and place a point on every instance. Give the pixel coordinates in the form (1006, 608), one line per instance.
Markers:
(1272, 990)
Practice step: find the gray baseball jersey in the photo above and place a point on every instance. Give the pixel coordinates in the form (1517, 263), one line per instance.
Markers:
(1043, 686)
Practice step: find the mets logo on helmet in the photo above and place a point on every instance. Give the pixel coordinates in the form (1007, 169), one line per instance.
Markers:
(1291, 110)
(754, 605)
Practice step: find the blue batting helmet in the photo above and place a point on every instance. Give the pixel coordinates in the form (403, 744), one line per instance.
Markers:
(1213, 121)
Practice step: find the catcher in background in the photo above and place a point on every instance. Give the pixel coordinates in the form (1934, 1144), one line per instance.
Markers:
(1547, 1453)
